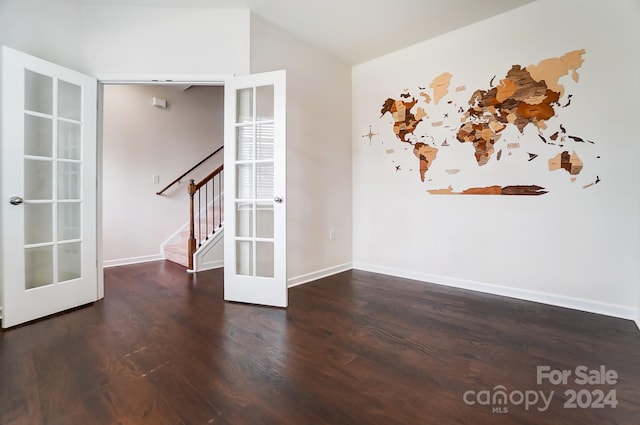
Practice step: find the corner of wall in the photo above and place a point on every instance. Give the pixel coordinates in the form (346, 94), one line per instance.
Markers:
(319, 189)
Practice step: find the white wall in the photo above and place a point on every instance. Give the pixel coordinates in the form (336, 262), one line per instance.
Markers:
(318, 150)
(575, 247)
(114, 39)
(143, 40)
(48, 29)
(141, 141)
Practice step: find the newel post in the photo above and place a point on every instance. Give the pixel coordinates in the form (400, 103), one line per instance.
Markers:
(191, 244)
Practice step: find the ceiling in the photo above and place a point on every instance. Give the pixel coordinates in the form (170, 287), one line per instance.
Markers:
(355, 30)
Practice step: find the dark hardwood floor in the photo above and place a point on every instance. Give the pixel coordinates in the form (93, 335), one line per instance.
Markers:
(354, 348)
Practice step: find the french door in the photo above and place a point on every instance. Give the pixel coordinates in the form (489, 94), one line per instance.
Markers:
(48, 189)
(255, 269)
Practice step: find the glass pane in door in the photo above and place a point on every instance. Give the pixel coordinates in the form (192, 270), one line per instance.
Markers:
(264, 180)
(264, 103)
(69, 265)
(38, 136)
(244, 142)
(69, 100)
(244, 105)
(244, 219)
(264, 220)
(38, 178)
(69, 221)
(38, 92)
(244, 181)
(68, 180)
(69, 146)
(38, 223)
(264, 259)
(244, 258)
(264, 141)
(38, 266)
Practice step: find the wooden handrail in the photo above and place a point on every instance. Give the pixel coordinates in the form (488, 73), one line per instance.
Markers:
(193, 188)
(190, 170)
(205, 180)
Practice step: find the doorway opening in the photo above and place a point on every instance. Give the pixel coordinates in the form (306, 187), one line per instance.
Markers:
(150, 133)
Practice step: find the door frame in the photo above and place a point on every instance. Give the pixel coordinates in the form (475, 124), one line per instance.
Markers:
(132, 79)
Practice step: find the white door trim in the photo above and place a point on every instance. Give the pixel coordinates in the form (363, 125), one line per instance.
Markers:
(133, 79)
(164, 79)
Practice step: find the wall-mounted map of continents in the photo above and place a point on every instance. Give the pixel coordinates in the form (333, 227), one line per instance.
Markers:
(528, 96)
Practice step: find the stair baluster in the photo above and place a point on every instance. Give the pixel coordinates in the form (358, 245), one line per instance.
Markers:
(193, 243)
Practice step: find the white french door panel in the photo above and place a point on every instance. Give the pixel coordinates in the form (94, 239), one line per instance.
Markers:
(255, 267)
(48, 188)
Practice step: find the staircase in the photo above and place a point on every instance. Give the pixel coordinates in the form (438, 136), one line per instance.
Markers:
(177, 249)
(206, 218)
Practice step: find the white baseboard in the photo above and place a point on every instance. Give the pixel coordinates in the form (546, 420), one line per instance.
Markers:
(522, 294)
(132, 260)
(319, 274)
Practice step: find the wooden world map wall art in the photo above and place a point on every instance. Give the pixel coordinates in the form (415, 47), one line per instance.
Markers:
(525, 97)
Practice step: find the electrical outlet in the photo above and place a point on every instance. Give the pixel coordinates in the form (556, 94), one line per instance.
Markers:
(156, 179)
(332, 233)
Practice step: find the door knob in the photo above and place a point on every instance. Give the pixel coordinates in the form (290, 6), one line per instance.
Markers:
(277, 200)
(15, 200)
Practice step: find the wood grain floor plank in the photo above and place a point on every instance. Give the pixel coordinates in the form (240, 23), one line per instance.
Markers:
(20, 398)
(354, 348)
